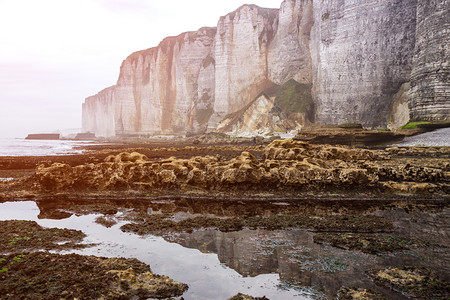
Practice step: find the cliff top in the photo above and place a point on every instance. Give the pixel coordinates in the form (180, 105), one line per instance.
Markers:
(208, 31)
(267, 12)
(104, 91)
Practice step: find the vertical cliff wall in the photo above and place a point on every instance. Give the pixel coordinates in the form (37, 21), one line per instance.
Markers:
(362, 53)
(430, 92)
(98, 113)
(290, 55)
(160, 90)
(360, 61)
(241, 49)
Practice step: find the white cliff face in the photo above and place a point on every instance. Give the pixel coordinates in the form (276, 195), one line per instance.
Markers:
(361, 60)
(430, 78)
(289, 55)
(241, 49)
(98, 113)
(362, 54)
(158, 89)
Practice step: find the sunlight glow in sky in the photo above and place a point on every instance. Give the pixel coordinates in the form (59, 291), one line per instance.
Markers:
(55, 53)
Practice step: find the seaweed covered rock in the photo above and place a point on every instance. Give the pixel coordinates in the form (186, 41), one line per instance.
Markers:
(18, 235)
(285, 164)
(352, 293)
(413, 282)
(125, 156)
(241, 296)
(27, 276)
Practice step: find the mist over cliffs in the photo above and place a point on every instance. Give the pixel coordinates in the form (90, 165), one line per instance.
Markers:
(376, 62)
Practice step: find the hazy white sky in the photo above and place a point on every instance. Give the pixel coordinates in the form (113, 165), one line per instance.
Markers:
(55, 53)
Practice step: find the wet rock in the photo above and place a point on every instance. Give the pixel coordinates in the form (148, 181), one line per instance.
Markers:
(55, 177)
(241, 296)
(125, 156)
(352, 293)
(161, 223)
(28, 235)
(409, 187)
(107, 222)
(413, 282)
(147, 284)
(44, 275)
(297, 150)
(285, 163)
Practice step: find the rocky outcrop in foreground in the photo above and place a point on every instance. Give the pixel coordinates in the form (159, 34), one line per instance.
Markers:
(43, 275)
(285, 164)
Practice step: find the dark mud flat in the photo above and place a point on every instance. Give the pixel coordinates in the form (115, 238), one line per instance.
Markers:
(281, 249)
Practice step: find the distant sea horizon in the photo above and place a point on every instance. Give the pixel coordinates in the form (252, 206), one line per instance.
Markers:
(23, 147)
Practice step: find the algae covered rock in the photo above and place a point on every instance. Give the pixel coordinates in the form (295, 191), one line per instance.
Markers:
(413, 282)
(284, 164)
(126, 157)
(43, 275)
(241, 296)
(352, 293)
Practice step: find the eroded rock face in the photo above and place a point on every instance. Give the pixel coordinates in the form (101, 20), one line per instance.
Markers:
(400, 114)
(98, 113)
(163, 90)
(356, 57)
(430, 76)
(362, 53)
(290, 53)
(240, 52)
(285, 163)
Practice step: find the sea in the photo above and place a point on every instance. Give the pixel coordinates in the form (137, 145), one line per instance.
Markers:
(23, 147)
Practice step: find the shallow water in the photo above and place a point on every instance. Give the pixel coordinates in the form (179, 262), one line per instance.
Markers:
(278, 264)
(23, 147)
(206, 276)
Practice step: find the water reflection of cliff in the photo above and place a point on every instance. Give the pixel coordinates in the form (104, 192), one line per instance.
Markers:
(301, 262)
(290, 253)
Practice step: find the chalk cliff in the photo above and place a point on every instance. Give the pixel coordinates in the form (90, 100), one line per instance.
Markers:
(362, 53)
(430, 78)
(375, 62)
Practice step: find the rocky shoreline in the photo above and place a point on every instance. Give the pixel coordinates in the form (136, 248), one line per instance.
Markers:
(281, 165)
(347, 198)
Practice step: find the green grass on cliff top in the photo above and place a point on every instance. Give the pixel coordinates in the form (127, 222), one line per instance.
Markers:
(413, 125)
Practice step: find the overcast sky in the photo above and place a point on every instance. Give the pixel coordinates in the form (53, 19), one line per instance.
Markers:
(55, 53)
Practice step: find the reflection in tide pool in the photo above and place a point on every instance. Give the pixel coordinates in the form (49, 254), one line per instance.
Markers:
(206, 276)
